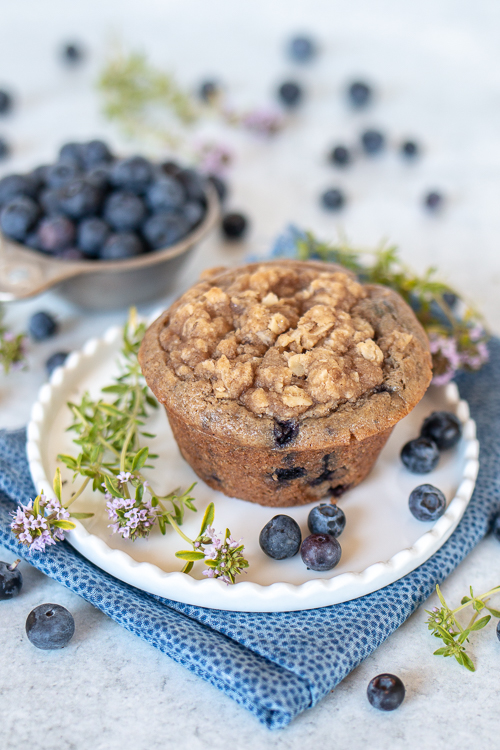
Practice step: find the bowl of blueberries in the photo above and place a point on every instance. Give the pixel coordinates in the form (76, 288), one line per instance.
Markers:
(106, 232)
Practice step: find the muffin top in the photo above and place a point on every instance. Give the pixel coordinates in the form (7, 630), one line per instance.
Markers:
(287, 347)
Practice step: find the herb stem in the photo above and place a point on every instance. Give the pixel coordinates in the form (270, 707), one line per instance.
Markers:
(78, 492)
(178, 530)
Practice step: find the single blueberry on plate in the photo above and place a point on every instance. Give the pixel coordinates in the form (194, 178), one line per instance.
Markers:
(164, 230)
(42, 326)
(301, 49)
(281, 537)
(72, 53)
(208, 90)
(320, 552)
(16, 184)
(50, 626)
(420, 456)
(92, 234)
(340, 156)
(290, 93)
(234, 226)
(54, 361)
(386, 692)
(165, 194)
(124, 211)
(360, 94)
(121, 246)
(4, 149)
(326, 519)
(333, 199)
(55, 233)
(410, 149)
(433, 200)
(5, 102)
(18, 216)
(373, 142)
(427, 503)
(135, 174)
(443, 427)
(62, 172)
(11, 580)
(79, 198)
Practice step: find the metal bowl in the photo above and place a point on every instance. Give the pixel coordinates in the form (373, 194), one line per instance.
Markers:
(99, 284)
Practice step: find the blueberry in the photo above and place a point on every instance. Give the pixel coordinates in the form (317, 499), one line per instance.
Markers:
(171, 168)
(79, 198)
(386, 692)
(95, 153)
(72, 53)
(4, 149)
(42, 326)
(124, 211)
(284, 432)
(11, 580)
(326, 519)
(333, 199)
(194, 185)
(99, 177)
(55, 360)
(427, 503)
(16, 184)
(38, 177)
(420, 456)
(121, 246)
(71, 152)
(495, 528)
(320, 552)
(301, 49)
(62, 172)
(5, 102)
(373, 142)
(49, 201)
(280, 538)
(360, 94)
(193, 212)
(134, 174)
(234, 226)
(92, 234)
(165, 194)
(433, 200)
(50, 626)
(444, 428)
(220, 186)
(208, 90)
(340, 156)
(165, 229)
(18, 216)
(290, 93)
(451, 299)
(55, 233)
(410, 149)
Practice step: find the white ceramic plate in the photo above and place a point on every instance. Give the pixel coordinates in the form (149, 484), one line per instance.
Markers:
(382, 541)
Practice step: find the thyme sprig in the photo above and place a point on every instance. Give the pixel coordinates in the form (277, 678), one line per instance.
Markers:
(443, 624)
(12, 347)
(457, 332)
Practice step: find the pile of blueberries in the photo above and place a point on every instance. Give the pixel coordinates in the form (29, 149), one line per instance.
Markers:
(91, 205)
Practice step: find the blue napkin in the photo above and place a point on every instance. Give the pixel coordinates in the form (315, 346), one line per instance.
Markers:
(275, 665)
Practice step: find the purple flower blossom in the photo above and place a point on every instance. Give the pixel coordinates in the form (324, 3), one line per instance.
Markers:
(124, 476)
(214, 158)
(263, 121)
(225, 556)
(37, 530)
(131, 518)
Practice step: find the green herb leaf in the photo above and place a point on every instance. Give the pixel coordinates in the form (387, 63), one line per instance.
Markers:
(191, 556)
(64, 524)
(208, 518)
(58, 485)
(481, 623)
(81, 516)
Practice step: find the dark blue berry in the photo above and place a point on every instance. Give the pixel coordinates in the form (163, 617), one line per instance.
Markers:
(38, 177)
(301, 49)
(55, 233)
(99, 177)
(220, 185)
(134, 174)
(498, 630)
(72, 53)
(4, 149)
(42, 326)
(16, 184)
(284, 432)
(320, 552)
(386, 692)
(95, 153)
(165, 229)
(121, 246)
(170, 168)
(79, 198)
(11, 580)
(360, 94)
(5, 102)
(326, 519)
(443, 427)
(410, 149)
(340, 156)
(18, 216)
(165, 194)
(451, 299)
(495, 527)
(124, 211)
(49, 201)
(373, 142)
(194, 185)
(62, 172)
(50, 626)
(92, 234)
(208, 90)
(234, 226)
(333, 199)
(433, 201)
(427, 503)
(193, 212)
(281, 537)
(420, 456)
(71, 152)
(290, 93)
(54, 361)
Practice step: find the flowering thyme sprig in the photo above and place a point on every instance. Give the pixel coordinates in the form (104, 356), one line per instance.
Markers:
(12, 347)
(43, 521)
(443, 624)
(457, 333)
(223, 557)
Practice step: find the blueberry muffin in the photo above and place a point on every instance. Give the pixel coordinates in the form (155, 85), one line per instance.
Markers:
(283, 380)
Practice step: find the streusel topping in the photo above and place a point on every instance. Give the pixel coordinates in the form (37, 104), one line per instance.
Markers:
(283, 343)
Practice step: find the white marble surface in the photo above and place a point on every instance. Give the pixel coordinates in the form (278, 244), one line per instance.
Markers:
(436, 65)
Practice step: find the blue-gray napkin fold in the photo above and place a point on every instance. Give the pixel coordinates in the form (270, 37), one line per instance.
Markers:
(275, 665)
